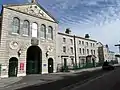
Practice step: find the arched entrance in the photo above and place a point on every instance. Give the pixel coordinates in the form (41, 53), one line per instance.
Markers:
(50, 65)
(34, 60)
(13, 67)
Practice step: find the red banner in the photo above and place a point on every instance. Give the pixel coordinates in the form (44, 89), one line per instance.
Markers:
(21, 66)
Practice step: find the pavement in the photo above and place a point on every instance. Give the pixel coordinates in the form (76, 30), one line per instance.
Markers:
(18, 82)
(7, 81)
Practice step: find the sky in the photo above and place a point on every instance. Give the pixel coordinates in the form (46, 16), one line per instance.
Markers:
(98, 18)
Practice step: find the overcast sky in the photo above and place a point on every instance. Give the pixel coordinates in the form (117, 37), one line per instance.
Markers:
(99, 18)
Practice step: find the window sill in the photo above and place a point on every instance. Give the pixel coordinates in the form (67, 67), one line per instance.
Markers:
(15, 33)
(42, 37)
(50, 39)
(25, 35)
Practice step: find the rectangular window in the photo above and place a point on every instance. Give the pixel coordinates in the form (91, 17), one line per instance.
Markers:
(83, 51)
(91, 44)
(71, 48)
(72, 61)
(64, 49)
(80, 50)
(94, 52)
(82, 42)
(86, 43)
(64, 40)
(88, 51)
(71, 41)
(79, 42)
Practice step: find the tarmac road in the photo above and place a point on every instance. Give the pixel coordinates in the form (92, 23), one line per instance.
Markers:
(110, 81)
(67, 82)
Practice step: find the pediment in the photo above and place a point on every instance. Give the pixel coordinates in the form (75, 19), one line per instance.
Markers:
(33, 9)
(99, 44)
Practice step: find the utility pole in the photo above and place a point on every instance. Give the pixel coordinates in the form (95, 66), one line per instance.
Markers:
(75, 51)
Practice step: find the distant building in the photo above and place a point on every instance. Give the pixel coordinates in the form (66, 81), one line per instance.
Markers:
(106, 52)
(100, 52)
(111, 56)
(103, 52)
(117, 56)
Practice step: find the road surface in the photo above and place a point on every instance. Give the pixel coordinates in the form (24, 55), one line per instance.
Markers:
(110, 81)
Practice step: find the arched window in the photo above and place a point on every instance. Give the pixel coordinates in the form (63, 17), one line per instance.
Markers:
(26, 27)
(34, 29)
(50, 32)
(43, 31)
(16, 25)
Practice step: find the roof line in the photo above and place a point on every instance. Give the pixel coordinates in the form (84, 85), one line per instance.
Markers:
(47, 12)
(76, 36)
(6, 5)
(29, 14)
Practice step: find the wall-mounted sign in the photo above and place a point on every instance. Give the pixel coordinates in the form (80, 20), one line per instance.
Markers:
(21, 66)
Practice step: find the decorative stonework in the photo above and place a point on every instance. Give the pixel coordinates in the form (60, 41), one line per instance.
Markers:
(33, 10)
(13, 45)
(34, 41)
(50, 48)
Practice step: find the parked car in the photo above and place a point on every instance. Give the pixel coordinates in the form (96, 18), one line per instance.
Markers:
(107, 66)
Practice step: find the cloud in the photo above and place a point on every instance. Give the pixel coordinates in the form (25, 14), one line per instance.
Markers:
(100, 18)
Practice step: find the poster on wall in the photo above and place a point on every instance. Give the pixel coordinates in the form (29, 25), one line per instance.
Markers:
(21, 66)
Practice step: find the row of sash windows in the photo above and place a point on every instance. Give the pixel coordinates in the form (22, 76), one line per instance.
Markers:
(26, 29)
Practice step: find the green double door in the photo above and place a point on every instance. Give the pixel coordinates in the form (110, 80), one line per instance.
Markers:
(13, 67)
(33, 67)
(34, 60)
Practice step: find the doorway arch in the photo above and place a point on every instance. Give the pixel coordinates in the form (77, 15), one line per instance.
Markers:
(50, 65)
(13, 67)
(34, 60)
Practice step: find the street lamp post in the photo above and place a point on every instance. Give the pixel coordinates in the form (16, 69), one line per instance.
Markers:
(118, 45)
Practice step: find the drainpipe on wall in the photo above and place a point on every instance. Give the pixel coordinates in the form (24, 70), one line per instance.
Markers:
(75, 50)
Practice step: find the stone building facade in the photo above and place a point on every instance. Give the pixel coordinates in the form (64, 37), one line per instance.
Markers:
(104, 53)
(111, 56)
(65, 49)
(100, 52)
(75, 50)
(86, 50)
(28, 40)
(31, 44)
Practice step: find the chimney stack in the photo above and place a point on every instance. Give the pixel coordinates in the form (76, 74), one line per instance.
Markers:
(87, 36)
(33, 1)
(68, 31)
